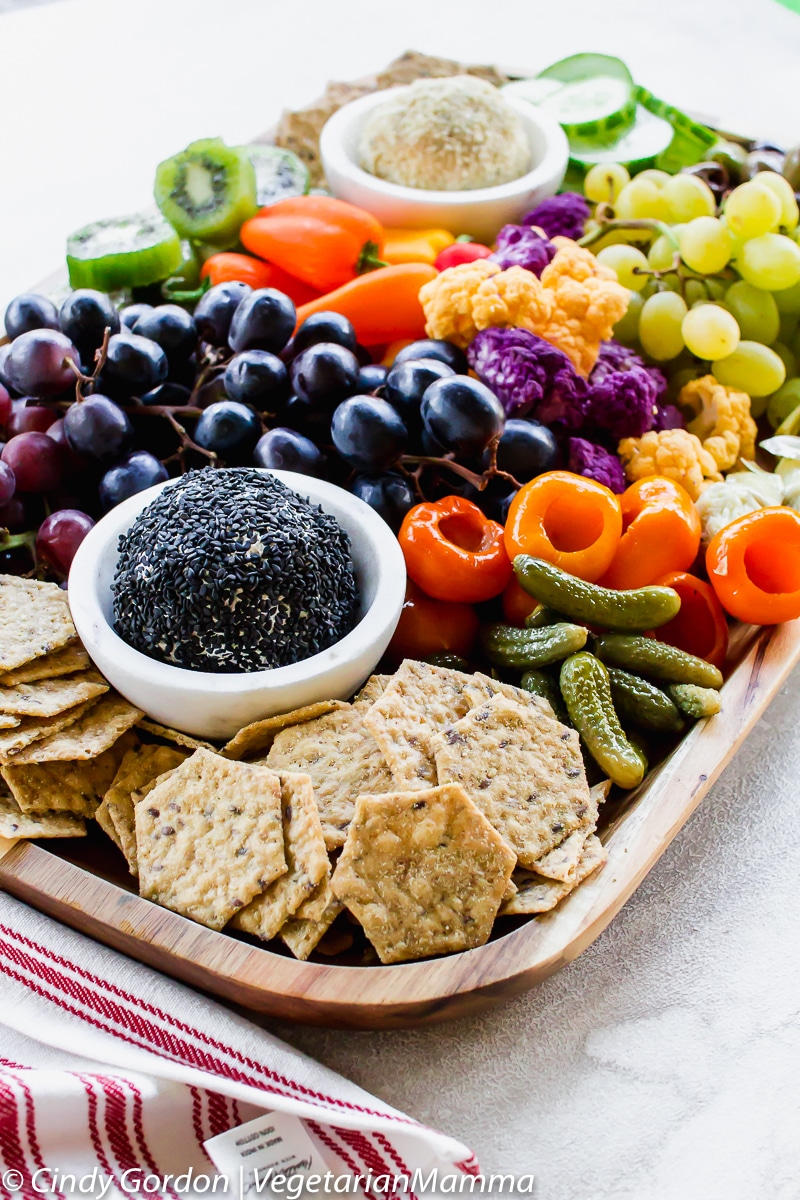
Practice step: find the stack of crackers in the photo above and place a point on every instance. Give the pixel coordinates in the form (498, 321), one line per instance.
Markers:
(432, 804)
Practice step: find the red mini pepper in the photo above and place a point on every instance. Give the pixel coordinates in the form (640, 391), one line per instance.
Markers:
(429, 627)
(700, 627)
(228, 267)
(460, 252)
(454, 552)
(754, 566)
(319, 239)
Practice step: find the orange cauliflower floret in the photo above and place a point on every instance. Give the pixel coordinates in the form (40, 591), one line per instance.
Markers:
(673, 452)
(722, 420)
(448, 301)
(514, 298)
(588, 303)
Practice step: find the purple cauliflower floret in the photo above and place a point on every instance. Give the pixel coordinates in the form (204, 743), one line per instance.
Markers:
(521, 246)
(623, 403)
(529, 376)
(560, 216)
(668, 416)
(615, 357)
(585, 458)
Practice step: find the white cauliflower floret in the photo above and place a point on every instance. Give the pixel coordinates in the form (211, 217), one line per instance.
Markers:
(742, 492)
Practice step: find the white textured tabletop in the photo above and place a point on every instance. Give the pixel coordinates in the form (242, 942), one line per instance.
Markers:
(662, 1065)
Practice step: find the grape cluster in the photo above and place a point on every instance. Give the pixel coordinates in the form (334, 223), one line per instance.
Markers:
(98, 404)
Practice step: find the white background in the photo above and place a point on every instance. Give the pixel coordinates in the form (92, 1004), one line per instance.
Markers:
(663, 1064)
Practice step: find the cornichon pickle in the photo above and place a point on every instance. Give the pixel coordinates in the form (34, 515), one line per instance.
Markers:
(507, 646)
(695, 701)
(542, 616)
(540, 684)
(453, 662)
(587, 695)
(645, 656)
(641, 702)
(638, 609)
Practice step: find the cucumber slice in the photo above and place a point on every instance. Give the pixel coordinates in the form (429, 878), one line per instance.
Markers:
(279, 173)
(592, 106)
(207, 191)
(533, 90)
(123, 252)
(691, 141)
(636, 147)
(585, 66)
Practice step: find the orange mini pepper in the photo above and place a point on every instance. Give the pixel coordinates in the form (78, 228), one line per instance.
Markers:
(517, 603)
(227, 267)
(383, 305)
(754, 566)
(429, 627)
(319, 239)
(453, 551)
(660, 532)
(700, 628)
(568, 520)
(415, 245)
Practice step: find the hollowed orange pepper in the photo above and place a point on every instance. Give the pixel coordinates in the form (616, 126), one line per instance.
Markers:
(415, 245)
(429, 627)
(454, 552)
(319, 239)
(660, 532)
(754, 566)
(227, 267)
(700, 627)
(568, 520)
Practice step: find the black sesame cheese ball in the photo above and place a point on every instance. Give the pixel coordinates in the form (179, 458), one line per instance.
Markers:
(230, 570)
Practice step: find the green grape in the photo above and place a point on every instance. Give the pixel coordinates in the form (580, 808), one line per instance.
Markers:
(710, 332)
(782, 189)
(625, 260)
(771, 261)
(621, 237)
(695, 292)
(679, 379)
(688, 196)
(661, 254)
(640, 198)
(660, 325)
(752, 368)
(788, 300)
(604, 182)
(751, 210)
(705, 245)
(716, 288)
(783, 402)
(788, 327)
(787, 357)
(755, 311)
(626, 329)
(659, 178)
(671, 282)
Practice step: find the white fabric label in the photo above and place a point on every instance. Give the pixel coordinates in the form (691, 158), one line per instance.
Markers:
(266, 1157)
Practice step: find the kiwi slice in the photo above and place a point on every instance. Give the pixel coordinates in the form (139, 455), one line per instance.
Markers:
(207, 191)
(279, 173)
(123, 252)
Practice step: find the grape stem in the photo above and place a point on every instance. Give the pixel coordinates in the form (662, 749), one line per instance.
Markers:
(186, 442)
(480, 482)
(11, 541)
(100, 357)
(608, 225)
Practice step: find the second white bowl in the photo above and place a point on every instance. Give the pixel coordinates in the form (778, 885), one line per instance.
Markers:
(211, 705)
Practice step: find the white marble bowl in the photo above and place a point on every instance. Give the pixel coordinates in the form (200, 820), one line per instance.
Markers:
(211, 705)
(480, 212)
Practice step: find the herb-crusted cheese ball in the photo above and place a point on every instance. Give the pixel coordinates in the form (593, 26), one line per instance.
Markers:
(447, 135)
(230, 570)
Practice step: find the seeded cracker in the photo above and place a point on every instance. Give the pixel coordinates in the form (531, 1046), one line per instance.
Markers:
(372, 690)
(419, 702)
(49, 697)
(343, 760)
(101, 770)
(96, 731)
(524, 771)
(175, 736)
(38, 730)
(258, 738)
(423, 871)
(14, 823)
(563, 860)
(303, 934)
(49, 666)
(306, 859)
(139, 767)
(538, 895)
(62, 787)
(209, 838)
(34, 619)
(8, 721)
(482, 687)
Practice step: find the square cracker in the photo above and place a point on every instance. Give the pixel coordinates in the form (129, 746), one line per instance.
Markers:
(140, 766)
(302, 934)
(14, 823)
(176, 736)
(49, 697)
(101, 770)
(563, 860)
(537, 895)
(342, 758)
(417, 704)
(95, 731)
(8, 721)
(34, 730)
(306, 860)
(209, 837)
(34, 619)
(523, 769)
(49, 666)
(258, 737)
(62, 787)
(482, 687)
(372, 690)
(108, 827)
(423, 871)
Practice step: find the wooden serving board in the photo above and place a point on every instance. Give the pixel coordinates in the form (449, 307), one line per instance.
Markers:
(71, 881)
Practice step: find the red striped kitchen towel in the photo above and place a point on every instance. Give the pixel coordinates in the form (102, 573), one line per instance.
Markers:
(108, 1066)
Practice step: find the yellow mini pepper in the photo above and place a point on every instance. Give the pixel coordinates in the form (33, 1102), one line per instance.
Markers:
(415, 245)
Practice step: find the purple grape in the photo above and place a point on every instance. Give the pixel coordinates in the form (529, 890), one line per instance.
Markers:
(38, 363)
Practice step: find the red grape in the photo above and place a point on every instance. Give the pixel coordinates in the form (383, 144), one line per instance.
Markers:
(37, 363)
(59, 536)
(34, 417)
(73, 463)
(13, 516)
(5, 405)
(8, 484)
(36, 460)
